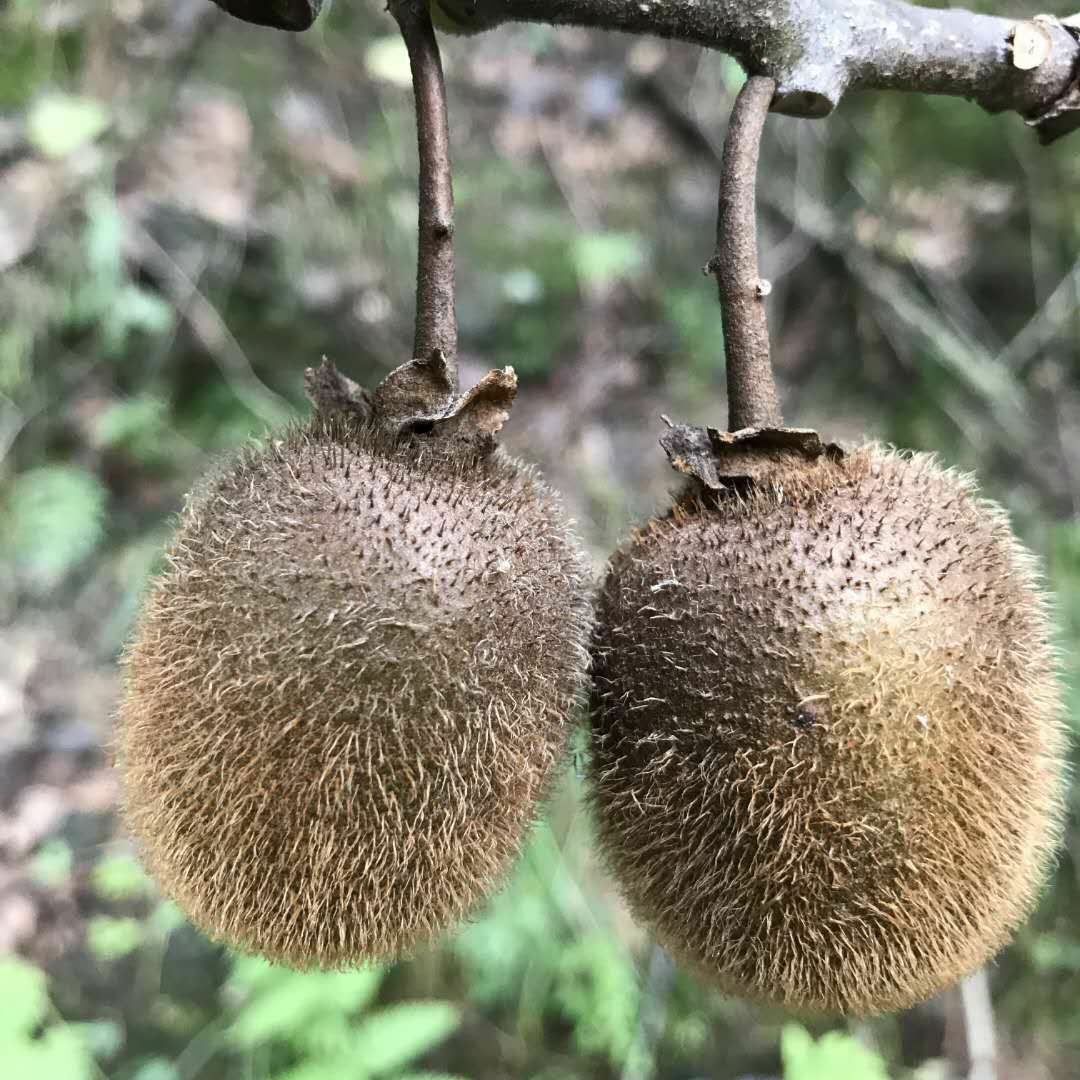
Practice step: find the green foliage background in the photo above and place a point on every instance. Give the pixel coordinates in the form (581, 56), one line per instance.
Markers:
(193, 210)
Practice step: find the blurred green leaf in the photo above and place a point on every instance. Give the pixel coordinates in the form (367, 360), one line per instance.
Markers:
(165, 918)
(688, 1034)
(386, 58)
(325, 1035)
(25, 997)
(102, 296)
(695, 315)
(103, 1038)
(277, 1013)
(1053, 952)
(284, 1004)
(56, 513)
(834, 1055)
(601, 258)
(392, 1037)
(51, 866)
(1064, 578)
(57, 1055)
(428, 1076)
(522, 285)
(935, 1069)
(498, 948)
(119, 877)
(140, 309)
(597, 989)
(60, 124)
(111, 938)
(25, 56)
(16, 351)
(103, 239)
(157, 1069)
(136, 426)
(250, 973)
(330, 1069)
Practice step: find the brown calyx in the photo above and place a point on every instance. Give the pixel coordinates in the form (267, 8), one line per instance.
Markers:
(419, 397)
(721, 459)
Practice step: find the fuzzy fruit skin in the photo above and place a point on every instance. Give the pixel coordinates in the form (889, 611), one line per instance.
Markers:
(827, 755)
(349, 690)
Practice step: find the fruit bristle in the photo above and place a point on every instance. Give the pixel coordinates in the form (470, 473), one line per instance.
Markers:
(350, 689)
(827, 745)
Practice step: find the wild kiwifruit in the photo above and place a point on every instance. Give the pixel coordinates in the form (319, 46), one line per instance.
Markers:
(826, 760)
(350, 687)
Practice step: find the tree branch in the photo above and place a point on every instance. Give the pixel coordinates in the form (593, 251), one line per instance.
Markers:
(752, 400)
(817, 50)
(280, 14)
(436, 322)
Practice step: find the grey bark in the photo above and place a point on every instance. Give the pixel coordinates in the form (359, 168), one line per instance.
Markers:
(815, 50)
(818, 50)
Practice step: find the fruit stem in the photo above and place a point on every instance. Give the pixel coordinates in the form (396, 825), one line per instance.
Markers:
(752, 399)
(436, 322)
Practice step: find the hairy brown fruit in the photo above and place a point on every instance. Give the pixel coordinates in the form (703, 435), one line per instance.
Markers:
(349, 690)
(827, 753)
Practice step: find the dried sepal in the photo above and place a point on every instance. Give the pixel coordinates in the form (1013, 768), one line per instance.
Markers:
(418, 398)
(480, 412)
(334, 395)
(719, 459)
(417, 390)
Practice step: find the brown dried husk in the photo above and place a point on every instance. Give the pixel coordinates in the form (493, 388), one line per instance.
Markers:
(349, 690)
(827, 753)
